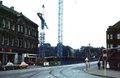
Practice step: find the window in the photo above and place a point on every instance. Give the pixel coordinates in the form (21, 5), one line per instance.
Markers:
(3, 39)
(108, 36)
(0, 21)
(25, 44)
(118, 36)
(13, 27)
(3, 22)
(28, 44)
(29, 32)
(0, 38)
(25, 30)
(35, 33)
(7, 39)
(111, 45)
(118, 46)
(18, 28)
(21, 28)
(8, 24)
(31, 45)
(12, 44)
(111, 36)
(18, 42)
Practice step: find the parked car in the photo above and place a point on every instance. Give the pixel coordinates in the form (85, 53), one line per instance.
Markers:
(23, 65)
(8, 66)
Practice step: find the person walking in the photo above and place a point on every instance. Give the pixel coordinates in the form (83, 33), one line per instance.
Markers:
(99, 65)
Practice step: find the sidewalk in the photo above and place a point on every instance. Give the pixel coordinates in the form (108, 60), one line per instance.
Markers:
(109, 73)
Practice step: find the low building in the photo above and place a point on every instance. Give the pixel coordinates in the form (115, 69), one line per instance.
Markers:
(18, 36)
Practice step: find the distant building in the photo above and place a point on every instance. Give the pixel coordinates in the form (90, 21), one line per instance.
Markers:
(18, 36)
(46, 50)
(113, 36)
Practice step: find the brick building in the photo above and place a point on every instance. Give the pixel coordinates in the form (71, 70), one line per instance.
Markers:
(18, 36)
(113, 36)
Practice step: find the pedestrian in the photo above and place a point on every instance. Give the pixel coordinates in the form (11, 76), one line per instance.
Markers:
(87, 63)
(108, 66)
(99, 65)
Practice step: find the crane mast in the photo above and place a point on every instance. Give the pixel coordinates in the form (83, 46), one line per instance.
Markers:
(42, 33)
(43, 24)
(60, 29)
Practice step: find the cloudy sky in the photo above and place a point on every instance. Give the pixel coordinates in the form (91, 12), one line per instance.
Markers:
(84, 21)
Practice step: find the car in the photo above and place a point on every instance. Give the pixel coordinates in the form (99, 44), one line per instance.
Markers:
(23, 65)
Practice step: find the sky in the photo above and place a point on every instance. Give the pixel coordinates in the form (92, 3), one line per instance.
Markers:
(84, 21)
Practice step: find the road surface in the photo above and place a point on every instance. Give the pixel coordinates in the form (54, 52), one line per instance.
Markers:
(65, 71)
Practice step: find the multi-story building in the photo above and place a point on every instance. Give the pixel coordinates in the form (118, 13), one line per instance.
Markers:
(113, 36)
(18, 36)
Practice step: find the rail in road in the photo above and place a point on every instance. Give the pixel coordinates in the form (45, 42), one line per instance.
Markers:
(65, 71)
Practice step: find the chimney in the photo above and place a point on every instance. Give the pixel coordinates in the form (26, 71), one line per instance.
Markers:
(0, 2)
(12, 7)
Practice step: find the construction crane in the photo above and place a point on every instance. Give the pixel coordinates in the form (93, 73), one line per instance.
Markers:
(42, 33)
(60, 29)
(43, 25)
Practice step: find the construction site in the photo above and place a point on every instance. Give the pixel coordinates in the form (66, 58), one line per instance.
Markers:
(27, 43)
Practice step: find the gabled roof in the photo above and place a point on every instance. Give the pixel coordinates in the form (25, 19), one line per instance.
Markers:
(117, 24)
(21, 16)
(115, 27)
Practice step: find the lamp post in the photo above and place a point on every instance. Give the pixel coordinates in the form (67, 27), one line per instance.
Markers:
(89, 53)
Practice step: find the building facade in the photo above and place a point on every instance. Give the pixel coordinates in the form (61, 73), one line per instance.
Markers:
(113, 36)
(18, 36)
